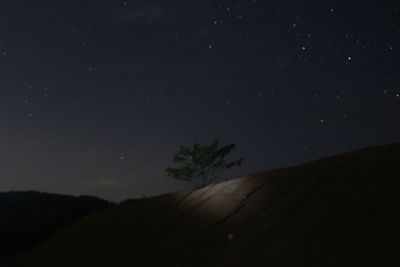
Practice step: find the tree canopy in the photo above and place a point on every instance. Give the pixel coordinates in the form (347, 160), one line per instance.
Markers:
(201, 164)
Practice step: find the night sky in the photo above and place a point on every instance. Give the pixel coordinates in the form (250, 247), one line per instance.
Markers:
(96, 96)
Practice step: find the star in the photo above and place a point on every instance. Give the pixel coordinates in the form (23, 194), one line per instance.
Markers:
(129, 85)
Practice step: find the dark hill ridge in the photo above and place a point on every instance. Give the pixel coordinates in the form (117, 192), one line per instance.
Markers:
(29, 217)
(338, 211)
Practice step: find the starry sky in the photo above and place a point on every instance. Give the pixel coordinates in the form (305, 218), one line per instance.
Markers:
(96, 96)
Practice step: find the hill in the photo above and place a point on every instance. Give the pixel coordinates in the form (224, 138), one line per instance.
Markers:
(28, 218)
(338, 211)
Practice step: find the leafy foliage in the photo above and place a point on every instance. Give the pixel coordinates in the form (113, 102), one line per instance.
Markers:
(202, 164)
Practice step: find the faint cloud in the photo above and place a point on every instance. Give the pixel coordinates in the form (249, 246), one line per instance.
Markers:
(107, 182)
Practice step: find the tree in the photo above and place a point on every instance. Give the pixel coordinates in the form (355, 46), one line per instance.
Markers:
(202, 164)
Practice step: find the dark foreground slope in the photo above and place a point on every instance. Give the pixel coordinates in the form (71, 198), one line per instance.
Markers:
(338, 211)
(27, 218)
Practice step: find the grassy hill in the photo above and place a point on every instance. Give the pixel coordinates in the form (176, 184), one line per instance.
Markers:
(338, 211)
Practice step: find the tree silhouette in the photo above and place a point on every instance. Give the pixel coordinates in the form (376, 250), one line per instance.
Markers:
(202, 164)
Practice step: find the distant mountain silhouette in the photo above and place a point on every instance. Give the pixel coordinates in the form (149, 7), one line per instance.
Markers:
(27, 218)
(338, 211)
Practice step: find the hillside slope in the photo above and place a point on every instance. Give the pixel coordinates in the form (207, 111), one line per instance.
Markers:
(338, 211)
(27, 218)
